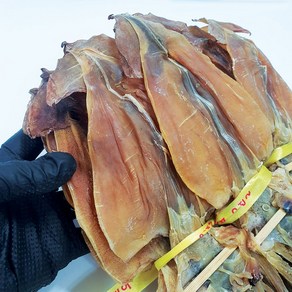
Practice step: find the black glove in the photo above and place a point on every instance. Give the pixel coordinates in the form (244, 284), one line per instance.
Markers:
(37, 233)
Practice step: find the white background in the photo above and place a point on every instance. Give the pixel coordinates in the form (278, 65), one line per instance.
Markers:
(31, 35)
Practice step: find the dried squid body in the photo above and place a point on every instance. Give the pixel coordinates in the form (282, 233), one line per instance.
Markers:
(99, 237)
(254, 73)
(119, 178)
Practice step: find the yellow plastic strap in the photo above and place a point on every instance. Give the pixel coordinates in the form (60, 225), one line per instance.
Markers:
(140, 282)
(186, 242)
(246, 198)
(279, 153)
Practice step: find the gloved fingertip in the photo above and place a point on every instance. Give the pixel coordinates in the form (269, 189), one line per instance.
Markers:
(64, 159)
(64, 164)
(40, 176)
(51, 171)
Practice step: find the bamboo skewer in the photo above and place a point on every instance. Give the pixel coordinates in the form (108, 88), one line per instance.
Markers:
(268, 228)
(227, 251)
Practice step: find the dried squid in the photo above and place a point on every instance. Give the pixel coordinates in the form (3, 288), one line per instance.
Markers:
(168, 123)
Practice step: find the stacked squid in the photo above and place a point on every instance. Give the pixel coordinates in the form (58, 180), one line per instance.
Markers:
(167, 123)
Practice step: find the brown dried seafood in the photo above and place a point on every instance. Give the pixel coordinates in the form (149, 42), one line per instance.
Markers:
(167, 123)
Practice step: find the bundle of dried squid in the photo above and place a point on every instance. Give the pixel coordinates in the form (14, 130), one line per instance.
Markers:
(168, 124)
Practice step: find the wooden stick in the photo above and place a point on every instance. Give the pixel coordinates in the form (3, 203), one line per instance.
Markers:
(227, 251)
(210, 269)
(268, 228)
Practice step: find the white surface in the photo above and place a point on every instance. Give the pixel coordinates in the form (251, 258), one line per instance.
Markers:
(31, 34)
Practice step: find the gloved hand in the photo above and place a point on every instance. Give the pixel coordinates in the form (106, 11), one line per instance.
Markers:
(37, 233)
